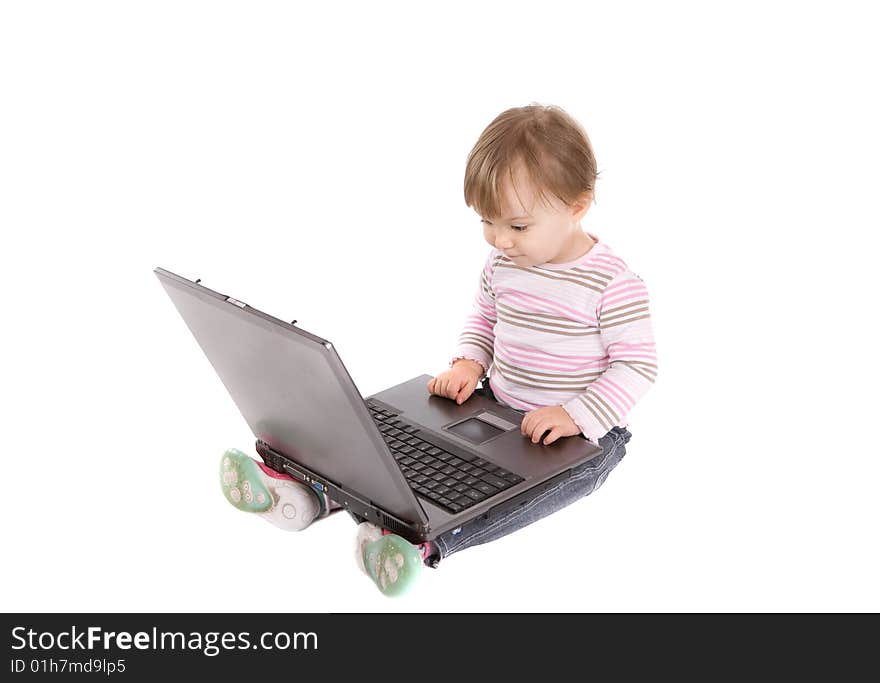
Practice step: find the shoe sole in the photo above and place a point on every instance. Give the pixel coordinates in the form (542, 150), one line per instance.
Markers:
(242, 483)
(393, 564)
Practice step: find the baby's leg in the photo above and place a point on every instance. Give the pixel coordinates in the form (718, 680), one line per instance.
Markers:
(251, 486)
(582, 482)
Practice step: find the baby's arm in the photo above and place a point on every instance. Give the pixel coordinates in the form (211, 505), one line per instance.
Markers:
(626, 332)
(475, 350)
(477, 341)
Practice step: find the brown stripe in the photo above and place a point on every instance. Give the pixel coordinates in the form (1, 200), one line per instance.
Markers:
(638, 362)
(620, 308)
(592, 398)
(606, 277)
(567, 390)
(599, 419)
(548, 331)
(478, 335)
(576, 381)
(623, 322)
(611, 410)
(636, 370)
(555, 326)
(605, 318)
(534, 271)
(516, 311)
(476, 341)
(484, 283)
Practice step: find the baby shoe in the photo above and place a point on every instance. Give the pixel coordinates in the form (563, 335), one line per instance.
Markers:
(278, 498)
(391, 561)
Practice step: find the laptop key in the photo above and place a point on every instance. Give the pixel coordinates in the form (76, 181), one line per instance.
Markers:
(497, 482)
(475, 495)
(488, 489)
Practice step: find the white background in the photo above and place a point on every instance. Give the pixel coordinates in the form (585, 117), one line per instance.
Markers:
(308, 159)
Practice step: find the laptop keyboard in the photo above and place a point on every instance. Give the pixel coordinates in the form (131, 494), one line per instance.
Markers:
(453, 482)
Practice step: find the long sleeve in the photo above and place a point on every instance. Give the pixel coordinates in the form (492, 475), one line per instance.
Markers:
(626, 332)
(477, 340)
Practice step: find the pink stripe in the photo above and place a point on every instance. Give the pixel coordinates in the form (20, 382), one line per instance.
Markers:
(612, 286)
(526, 350)
(554, 306)
(606, 393)
(613, 357)
(554, 364)
(611, 261)
(624, 396)
(631, 294)
(478, 323)
(530, 364)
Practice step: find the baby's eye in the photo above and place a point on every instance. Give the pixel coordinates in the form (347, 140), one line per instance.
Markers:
(519, 228)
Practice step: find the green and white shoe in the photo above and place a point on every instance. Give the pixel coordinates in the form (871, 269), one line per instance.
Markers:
(392, 562)
(276, 497)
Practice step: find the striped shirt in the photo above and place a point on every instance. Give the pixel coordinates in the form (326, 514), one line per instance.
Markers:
(574, 334)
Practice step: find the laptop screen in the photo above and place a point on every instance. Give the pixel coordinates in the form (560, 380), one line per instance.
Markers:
(295, 394)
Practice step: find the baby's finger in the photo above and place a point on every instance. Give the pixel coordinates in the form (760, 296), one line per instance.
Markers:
(431, 385)
(466, 390)
(554, 434)
(539, 429)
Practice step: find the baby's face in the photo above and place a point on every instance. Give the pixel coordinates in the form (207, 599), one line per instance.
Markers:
(531, 233)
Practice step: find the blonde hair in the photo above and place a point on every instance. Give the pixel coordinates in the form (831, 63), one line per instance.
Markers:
(550, 146)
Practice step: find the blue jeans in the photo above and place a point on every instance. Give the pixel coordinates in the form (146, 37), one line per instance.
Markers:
(583, 480)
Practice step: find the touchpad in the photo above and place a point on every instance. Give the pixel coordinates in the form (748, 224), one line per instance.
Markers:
(480, 428)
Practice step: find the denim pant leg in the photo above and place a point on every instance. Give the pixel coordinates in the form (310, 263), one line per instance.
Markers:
(583, 480)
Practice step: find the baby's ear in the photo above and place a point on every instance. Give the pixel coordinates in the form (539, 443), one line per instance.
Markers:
(581, 205)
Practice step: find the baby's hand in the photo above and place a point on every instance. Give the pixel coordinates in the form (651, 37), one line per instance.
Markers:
(554, 418)
(459, 382)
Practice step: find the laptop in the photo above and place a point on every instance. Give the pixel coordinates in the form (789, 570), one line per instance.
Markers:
(414, 463)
